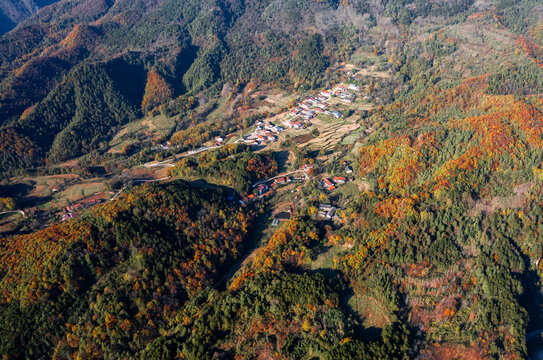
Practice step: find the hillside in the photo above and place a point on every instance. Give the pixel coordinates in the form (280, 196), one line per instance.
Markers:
(272, 180)
(193, 46)
(124, 265)
(13, 12)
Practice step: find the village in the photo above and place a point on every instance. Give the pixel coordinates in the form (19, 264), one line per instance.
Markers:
(311, 106)
(299, 116)
(264, 190)
(322, 111)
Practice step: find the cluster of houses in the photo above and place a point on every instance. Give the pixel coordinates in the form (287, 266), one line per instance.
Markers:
(330, 184)
(73, 211)
(342, 91)
(262, 191)
(308, 108)
(294, 124)
(265, 133)
(287, 180)
(327, 211)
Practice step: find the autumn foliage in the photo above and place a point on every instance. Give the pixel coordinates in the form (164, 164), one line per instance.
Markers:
(290, 246)
(157, 91)
(153, 248)
(233, 165)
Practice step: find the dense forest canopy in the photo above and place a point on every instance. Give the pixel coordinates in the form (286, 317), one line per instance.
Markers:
(184, 188)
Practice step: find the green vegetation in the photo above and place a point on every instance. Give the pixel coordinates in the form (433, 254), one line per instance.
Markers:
(430, 247)
(231, 165)
(156, 247)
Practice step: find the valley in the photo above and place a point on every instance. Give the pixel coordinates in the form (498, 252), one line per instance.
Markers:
(272, 180)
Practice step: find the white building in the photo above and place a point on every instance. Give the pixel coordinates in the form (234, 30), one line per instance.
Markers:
(354, 87)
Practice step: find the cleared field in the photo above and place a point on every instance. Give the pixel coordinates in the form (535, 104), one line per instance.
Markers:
(325, 260)
(150, 127)
(7, 221)
(331, 133)
(373, 72)
(41, 186)
(77, 192)
(369, 310)
(366, 58)
(220, 108)
(350, 190)
(352, 136)
(146, 173)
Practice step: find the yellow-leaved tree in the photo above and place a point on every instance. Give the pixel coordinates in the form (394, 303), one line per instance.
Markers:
(157, 91)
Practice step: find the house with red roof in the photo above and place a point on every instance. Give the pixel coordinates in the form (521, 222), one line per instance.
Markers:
(328, 184)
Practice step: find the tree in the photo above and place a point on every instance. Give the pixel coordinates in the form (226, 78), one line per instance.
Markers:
(157, 91)
(7, 203)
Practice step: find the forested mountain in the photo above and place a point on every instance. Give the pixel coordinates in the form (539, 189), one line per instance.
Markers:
(194, 46)
(271, 179)
(13, 12)
(126, 267)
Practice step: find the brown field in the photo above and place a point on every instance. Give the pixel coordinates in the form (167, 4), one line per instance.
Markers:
(370, 311)
(146, 173)
(7, 221)
(451, 352)
(77, 192)
(371, 72)
(363, 186)
(150, 124)
(69, 163)
(331, 133)
(487, 206)
(150, 128)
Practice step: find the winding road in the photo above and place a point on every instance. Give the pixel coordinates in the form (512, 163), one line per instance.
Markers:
(168, 162)
(13, 211)
(277, 177)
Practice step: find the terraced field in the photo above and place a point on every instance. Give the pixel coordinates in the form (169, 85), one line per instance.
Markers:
(331, 133)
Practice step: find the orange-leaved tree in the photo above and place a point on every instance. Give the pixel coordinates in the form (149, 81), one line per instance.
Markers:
(157, 91)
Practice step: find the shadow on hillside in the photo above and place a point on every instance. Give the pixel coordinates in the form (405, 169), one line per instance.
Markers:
(367, 333)
(16, 190)
(255, 240)
(281, 157)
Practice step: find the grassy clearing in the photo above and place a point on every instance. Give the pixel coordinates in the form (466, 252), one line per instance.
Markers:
(349, 190)
(221, 107)
(325, 260)
(366, 58)
(41, 186)
(77, 192)
(369, 311)
(352, 136)
(152, 127)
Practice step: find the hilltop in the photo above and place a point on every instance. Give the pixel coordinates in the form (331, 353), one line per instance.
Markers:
(12, 12)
